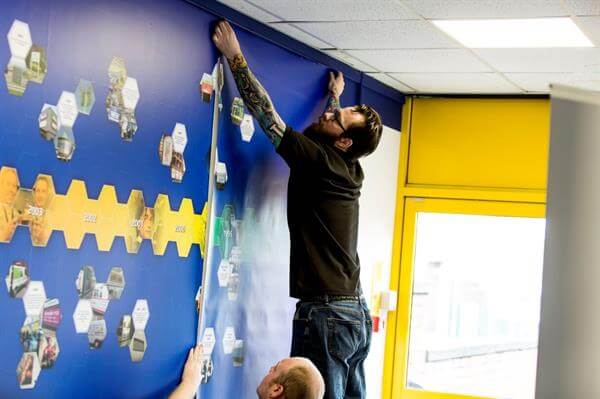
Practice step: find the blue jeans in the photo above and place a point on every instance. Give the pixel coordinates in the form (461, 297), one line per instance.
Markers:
(336, 336)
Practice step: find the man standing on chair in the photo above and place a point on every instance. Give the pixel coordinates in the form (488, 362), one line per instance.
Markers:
(332, 326)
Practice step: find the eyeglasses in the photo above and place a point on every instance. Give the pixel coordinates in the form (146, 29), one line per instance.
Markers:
(337, 116)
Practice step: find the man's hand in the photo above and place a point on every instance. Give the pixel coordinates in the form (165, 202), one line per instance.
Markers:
(191, 372)
(190, 380)
(226, 41)
(336, 84)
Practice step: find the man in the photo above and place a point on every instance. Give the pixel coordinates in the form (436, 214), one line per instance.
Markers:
(332, 326)
(9, 216)
(291, 378)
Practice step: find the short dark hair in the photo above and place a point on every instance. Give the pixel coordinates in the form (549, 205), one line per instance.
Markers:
(365, 139)
(296, 384)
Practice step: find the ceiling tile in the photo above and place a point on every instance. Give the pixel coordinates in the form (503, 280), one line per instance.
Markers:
(424, 60)
(543, 60)
(380, 34)
(391, 82)
(591, 27)
(583, 7)
(457, 83)
(466, 9)
(336, 10)
(539, 82)
(300, 35)
(350, 60)
(250, 10)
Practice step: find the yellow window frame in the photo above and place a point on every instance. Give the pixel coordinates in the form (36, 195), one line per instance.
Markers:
(403, 313)
(412, 198)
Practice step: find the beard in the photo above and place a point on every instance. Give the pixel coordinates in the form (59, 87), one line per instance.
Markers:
(314, 133)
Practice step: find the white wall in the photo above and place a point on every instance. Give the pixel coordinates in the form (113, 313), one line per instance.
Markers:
(569, 348)
(376, 235)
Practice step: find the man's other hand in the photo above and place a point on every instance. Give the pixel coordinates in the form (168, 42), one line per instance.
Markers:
(226, 41)
(191, 372)
(336, 84)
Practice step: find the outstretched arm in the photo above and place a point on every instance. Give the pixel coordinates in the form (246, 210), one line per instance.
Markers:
(336, 88)
(255, 96)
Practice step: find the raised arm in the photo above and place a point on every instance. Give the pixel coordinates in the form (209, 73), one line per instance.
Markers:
(255, 96)
(336, 88)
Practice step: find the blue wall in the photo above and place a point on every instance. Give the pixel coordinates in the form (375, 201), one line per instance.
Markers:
(166, 47)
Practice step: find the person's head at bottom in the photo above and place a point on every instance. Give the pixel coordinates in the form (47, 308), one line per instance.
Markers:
(292, 378)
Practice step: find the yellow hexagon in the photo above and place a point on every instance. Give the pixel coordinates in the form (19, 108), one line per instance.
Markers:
(183, 232)
(135, 231)
(163, 219)
(110, 211)
(75, 215)
(9, 216)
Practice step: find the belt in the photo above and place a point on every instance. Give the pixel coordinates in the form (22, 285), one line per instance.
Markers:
(330, 298)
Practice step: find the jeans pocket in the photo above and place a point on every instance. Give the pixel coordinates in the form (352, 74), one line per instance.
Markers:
(343, 337)
(299, 332)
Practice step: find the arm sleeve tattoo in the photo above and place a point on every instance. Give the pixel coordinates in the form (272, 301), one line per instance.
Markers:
(332, 104)
(257, 99)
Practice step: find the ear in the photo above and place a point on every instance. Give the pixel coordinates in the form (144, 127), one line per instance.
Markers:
(343, 143)
(276, 391)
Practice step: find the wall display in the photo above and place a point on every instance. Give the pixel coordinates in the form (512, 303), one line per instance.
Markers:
(115, 207)
(44, 211)
(122, 99)
(38, 333)
(108, 227)
(27, 60)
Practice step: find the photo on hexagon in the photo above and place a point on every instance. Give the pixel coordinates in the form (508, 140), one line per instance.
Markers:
(51, 315)
(17, 279)
(125, 331)
(137, 346)
(31, 334)
(97, 333)
(28, 370)
(162, 210)
(115, 283)
(85, 282)
(9, 216)
(48, 351)
(140, 222)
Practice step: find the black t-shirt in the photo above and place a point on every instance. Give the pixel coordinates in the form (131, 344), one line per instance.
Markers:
(323, 193)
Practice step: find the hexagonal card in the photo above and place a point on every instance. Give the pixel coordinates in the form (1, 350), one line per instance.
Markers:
(85, 282)
(34, 298)
(99, 299)
(125, 331)
(82, 316)
(238, 353)
(28, 370)
(138, 346)
(117, 73)
(17, 279)
(221, 174)
(51, 314)
(130, 93)
(64, 143)
(67, 109)
(140, 314)
(115, 283)
(223, 272)
(208, 340)
(228, 340)
(247, 128)
(48, 121)
(97, 333)
(49, 350)
(19, 39)
(179, 138)
(85, 96)
(31, 334)
(36, 62)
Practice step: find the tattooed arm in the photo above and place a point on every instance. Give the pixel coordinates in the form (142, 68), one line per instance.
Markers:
(336, 88)
(257, 99)
(253, 93)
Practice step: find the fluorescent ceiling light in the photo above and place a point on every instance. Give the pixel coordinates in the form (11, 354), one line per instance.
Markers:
(515, 33)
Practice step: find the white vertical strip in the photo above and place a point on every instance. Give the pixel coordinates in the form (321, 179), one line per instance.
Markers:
(569, 346)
